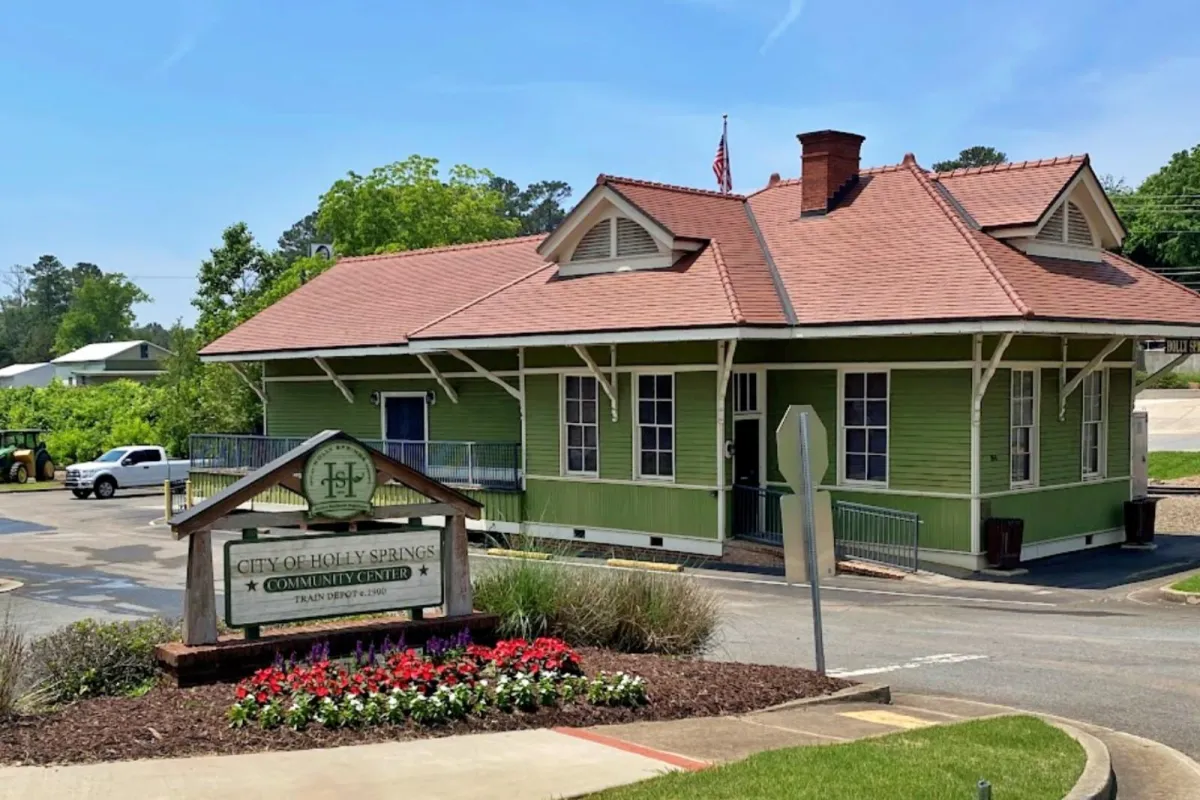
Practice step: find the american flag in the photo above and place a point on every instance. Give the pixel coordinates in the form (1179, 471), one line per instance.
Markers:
(721, 161)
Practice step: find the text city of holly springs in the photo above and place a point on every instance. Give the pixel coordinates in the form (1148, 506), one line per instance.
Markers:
(374, 566)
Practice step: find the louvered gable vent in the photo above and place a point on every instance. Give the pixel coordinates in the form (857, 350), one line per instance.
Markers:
(1052, 231)
(1078, 230)
(633, 239)
(596, 243)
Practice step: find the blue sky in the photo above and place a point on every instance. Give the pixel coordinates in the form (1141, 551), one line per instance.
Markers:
(131, 133)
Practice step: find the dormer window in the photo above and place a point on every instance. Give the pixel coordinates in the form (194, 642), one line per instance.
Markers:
(606, 233)
(614, 237)
(1067, 225)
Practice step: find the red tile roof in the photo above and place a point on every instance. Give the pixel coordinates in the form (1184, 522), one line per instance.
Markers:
(1114, 289)
(377, 300)
(890, 251)
(903, 245)
(1010, 194)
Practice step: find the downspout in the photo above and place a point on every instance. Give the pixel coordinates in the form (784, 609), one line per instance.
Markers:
(724, 369)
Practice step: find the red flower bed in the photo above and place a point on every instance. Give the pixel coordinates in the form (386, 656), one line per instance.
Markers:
(517, 655)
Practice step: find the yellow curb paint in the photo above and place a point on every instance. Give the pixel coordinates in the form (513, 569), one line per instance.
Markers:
(499, 551)
(889, 718)
(651, 565)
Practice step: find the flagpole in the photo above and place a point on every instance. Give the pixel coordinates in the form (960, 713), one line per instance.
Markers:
(725, 182)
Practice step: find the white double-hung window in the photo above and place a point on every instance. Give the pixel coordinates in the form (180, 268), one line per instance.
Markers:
(1093, 425)
(656, 426)
(865, 427)
(581, 452)
(1022, 433)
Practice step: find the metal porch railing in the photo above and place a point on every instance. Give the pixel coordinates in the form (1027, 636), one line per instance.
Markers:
(882, 535)
(756, 515)
(487, 465)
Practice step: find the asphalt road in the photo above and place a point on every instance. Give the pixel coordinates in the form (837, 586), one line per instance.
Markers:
(1074, 639)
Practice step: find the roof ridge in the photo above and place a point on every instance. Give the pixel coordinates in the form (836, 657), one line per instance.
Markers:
(927, 184)
(1007, 166)
(1155, 274)
(606, 178)
(480, 299)
(445, 248)
(735, 308)
(797, 180)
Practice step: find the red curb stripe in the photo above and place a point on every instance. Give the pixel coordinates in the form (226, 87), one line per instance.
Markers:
(649, 752)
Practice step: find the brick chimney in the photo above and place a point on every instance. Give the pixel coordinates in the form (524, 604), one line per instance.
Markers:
(828, 168)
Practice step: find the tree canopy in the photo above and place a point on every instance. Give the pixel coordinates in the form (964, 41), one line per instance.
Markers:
(1163, 218)
(407, 205)
(101, 310)
(235, 272)
(978, 156)
(538, 206)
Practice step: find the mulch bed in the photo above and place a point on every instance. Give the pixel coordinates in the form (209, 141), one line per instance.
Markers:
(169, 722)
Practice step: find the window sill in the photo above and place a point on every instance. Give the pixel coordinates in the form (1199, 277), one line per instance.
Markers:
(862, 484)
(1023, 485)
(655, 478)
(581, 475)
(1098, 476)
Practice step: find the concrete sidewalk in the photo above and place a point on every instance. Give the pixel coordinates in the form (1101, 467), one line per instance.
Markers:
(531, 764)
(561, 762)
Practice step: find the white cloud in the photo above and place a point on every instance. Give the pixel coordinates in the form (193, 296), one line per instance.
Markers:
(793, 13)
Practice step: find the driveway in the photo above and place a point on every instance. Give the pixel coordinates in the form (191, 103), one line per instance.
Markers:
(1095, 649)
(1173, 416)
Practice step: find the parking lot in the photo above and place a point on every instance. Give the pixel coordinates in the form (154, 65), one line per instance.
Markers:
(110, 559)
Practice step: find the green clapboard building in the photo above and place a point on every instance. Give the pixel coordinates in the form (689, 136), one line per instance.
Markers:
(966, 337)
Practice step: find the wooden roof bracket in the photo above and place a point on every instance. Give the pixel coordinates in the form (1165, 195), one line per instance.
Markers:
(496, 379)
(1153, 377)
(600, 377)
(993, 364)
(1088, 369)
(726, 372)
(246, 380)
(328, 370)
(437, 376)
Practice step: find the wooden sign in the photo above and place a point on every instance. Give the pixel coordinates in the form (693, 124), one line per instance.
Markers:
(293, 578)
(1181, 347)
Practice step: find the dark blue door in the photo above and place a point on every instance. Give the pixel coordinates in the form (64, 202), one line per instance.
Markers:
(405, 422)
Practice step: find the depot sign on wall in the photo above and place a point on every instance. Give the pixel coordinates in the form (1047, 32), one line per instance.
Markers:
(302, 577)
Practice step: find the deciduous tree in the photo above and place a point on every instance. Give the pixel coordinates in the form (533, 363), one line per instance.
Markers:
(101, 310)
(232, 276)
(978, 156)
(407, 205)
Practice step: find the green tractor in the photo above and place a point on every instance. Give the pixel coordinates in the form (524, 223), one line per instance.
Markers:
(23, 454)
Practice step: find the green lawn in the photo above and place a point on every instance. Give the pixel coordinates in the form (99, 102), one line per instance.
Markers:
(1173, 464)
(27, 487)
(1191, 584)
(1022, 757)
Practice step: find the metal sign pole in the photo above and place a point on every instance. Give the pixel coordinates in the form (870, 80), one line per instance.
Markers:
(810, 541)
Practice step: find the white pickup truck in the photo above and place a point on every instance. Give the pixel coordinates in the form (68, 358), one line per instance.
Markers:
(136, 466)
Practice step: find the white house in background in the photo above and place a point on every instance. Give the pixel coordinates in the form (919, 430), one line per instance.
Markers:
(109, 361)
(16, 375)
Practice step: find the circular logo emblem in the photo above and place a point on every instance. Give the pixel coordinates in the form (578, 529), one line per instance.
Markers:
(339, 480)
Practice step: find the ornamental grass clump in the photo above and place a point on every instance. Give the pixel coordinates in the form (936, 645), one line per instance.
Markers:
(623, 610)
(18, 692)
(450, 681)
(89, 658)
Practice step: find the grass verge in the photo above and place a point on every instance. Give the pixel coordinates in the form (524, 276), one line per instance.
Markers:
(1022, 757)
(1191, 584)
(30, 487)
(1168, 465)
